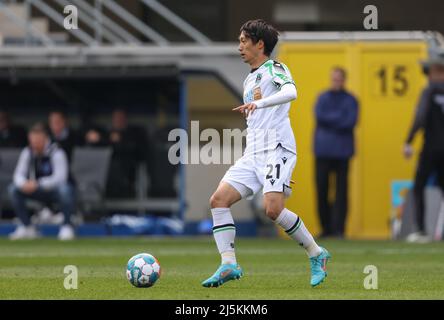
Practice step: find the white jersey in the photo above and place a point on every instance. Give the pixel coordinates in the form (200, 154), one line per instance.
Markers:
(268, 127)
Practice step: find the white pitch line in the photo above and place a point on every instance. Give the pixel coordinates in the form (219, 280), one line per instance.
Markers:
(200, 251)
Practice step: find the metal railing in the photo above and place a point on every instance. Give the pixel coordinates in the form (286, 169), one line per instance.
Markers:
(102, 28)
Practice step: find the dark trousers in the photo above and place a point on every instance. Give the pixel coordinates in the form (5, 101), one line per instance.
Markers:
(64, 196)
(332, 215)
(429, 162)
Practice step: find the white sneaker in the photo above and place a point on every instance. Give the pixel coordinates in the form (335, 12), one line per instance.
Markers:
(66, 233)
(418, 237)
(22, 232)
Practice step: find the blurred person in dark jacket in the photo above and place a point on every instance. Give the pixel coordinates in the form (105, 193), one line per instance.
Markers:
(11, 136)
(95, 136)
(61, 133)
(129, 144)
(161, 172)
(336, 113)
(429, 118)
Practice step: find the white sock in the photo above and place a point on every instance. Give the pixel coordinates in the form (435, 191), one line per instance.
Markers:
(224, 232)
(295, 228)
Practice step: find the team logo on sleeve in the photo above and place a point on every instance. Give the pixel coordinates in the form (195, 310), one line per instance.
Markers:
(258, 78)
(257, 93)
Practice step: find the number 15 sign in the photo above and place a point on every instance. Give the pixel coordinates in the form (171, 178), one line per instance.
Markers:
(391, 80)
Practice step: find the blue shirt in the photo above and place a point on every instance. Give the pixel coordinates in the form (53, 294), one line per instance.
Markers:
(336, 116)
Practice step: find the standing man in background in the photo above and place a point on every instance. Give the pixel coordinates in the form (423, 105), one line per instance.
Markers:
(128, 143)
(429, 117)
(336, 114)
(61, 132)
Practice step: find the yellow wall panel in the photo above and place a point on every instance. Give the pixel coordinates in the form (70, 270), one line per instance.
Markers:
(391, 83)
(386, 79)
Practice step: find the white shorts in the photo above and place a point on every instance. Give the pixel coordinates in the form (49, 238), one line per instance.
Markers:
(270, 171)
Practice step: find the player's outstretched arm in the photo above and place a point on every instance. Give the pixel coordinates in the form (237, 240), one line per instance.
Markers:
(286, 94)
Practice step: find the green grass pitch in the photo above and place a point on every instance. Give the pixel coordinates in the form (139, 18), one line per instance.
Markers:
(274, 269)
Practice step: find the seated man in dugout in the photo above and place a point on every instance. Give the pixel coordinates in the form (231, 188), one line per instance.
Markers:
(42, 174)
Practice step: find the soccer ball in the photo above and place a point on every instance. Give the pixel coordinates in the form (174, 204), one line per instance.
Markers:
(143, 270)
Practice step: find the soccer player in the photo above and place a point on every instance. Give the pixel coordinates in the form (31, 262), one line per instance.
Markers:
(269, 157)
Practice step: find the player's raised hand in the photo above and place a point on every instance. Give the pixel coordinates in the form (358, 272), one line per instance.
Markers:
(247, 108)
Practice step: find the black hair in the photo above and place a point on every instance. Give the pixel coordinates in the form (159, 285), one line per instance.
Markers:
(59, 111)
(120, 109)
(260, 30)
